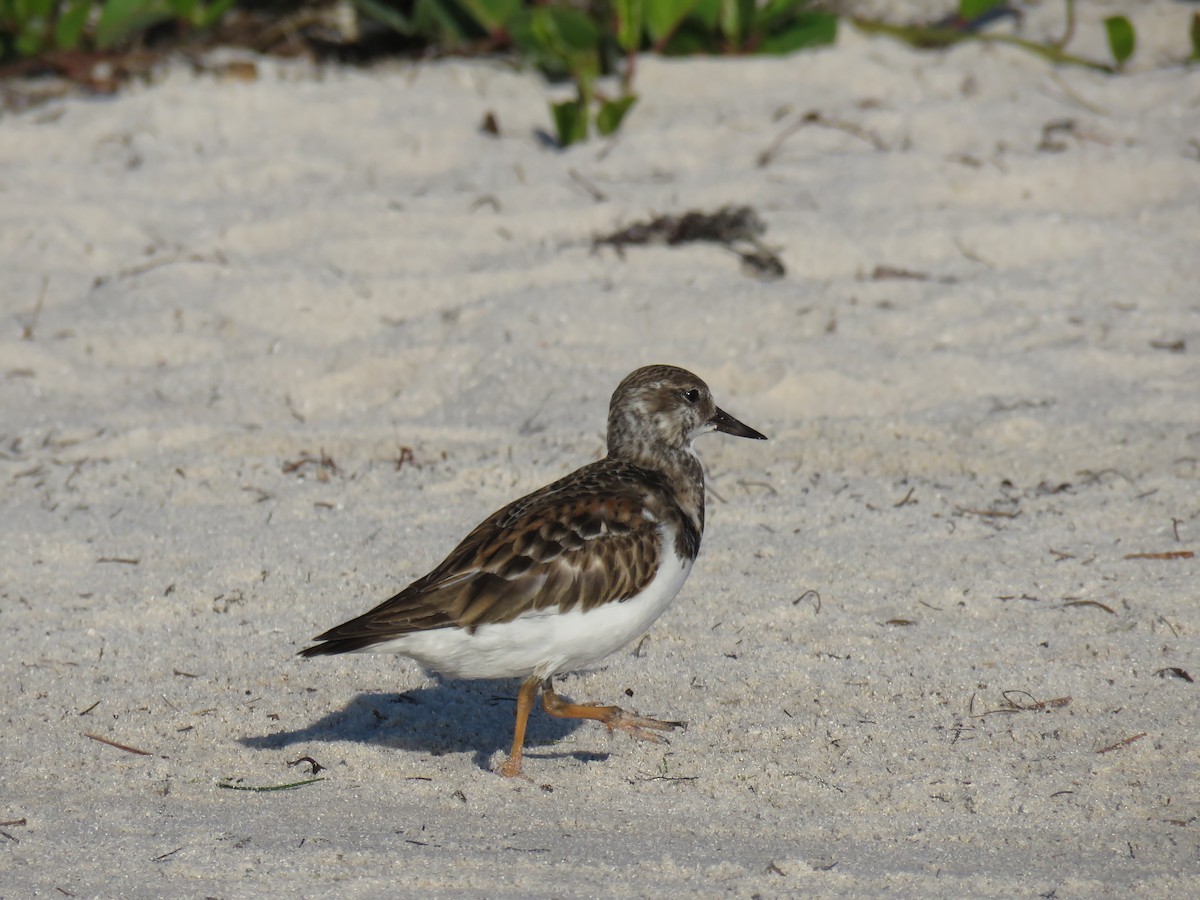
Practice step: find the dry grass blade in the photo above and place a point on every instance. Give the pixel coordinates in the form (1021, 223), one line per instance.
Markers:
(1095, 603)
(125, 747)
(1122, 743)
(27, 331)
(1169, 554)
(988, 513)
(1013, 703)
(229, 786)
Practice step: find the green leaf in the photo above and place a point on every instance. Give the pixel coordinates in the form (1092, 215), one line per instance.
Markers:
(774, 11)
(664, 16)
(27, 24)
(972, 9)
(531, 43)
(120, 18)
(737, 20)
(808, 30)
(210, 15)
(182, 9)
(690, 40)
(26, 12)
(440, 21)
(560, 41)
(708, 13)
(386, 15)
(26, 20)
(29, 42)
(630, 14)
(492, 15)
(69, 27)
(612, 112)
(1121, 38)
(571, 29)
(570, 121)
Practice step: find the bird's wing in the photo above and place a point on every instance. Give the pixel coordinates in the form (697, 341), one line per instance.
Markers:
(567, 546)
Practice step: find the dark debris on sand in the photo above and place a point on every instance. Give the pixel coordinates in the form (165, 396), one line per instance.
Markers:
(738, 228)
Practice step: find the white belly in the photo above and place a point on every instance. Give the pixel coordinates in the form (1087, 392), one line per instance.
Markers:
(544, 642)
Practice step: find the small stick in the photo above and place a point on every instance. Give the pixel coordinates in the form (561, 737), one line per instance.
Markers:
(1169, 625)
(988, 513)
(27, 331)
(598, 195)
(1095, 603)
(1036, 704)
(1128, 740)
(1056, 702)
(125, 747)
(273, 787)
(815, 117)
(1069, 29)
(810, 593)
(1169, 554)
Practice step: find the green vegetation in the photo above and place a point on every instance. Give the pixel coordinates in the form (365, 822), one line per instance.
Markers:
(973, 13)
(31, 27)
(1121, 39)
(577, 41)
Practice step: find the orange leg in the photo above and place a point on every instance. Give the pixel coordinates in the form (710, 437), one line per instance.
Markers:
(611, 716)
(511, 767)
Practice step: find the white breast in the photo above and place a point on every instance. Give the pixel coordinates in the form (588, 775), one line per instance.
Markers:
(544, 642)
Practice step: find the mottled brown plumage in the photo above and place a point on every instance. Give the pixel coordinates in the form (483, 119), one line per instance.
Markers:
(587, 539)
(598, 539)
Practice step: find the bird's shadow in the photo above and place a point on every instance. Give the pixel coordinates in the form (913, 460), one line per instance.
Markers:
(448, 717)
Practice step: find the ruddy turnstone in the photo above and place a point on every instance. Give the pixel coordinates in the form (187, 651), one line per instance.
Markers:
(561, 578)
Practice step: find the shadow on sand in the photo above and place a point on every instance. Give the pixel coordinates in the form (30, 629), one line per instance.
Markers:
(448, 717)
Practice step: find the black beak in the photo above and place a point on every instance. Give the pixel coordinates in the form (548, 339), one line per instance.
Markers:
(726, 423)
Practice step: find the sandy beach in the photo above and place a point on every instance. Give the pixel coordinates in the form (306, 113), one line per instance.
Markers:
(297, 335)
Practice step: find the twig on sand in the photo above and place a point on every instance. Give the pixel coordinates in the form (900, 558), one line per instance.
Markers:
(230, 785)
(27, 331)
(125, 747)
(810, 594)
(1095, 603)
(1122, 743)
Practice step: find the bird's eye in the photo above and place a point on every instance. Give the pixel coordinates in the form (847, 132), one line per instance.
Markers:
(692, 396)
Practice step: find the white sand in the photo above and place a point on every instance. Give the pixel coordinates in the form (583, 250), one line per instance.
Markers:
(239, 274)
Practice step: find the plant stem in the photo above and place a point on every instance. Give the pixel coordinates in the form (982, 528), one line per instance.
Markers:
(1069, 30)
(927, 38)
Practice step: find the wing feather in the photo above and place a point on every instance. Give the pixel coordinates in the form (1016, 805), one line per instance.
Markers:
(587, 540)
